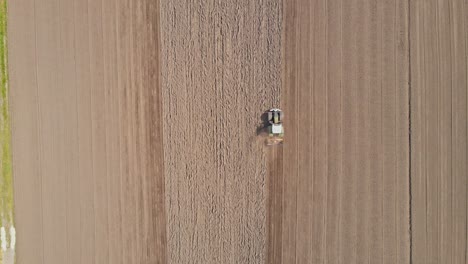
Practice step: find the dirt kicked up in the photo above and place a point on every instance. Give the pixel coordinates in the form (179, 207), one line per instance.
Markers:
(7, 229)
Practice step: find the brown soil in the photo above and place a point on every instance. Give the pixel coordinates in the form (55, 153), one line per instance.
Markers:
(135, 137)
(87, 132)
(221, 71)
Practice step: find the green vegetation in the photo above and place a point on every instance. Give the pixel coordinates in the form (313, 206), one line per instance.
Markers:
(6, 184)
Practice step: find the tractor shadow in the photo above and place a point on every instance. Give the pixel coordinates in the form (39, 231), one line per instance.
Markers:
(262, 127)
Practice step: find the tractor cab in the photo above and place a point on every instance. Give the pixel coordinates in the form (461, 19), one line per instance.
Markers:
(275, 127)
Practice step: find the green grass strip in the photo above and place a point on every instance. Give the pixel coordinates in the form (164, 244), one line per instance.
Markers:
(5, 132)
(6, 180)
